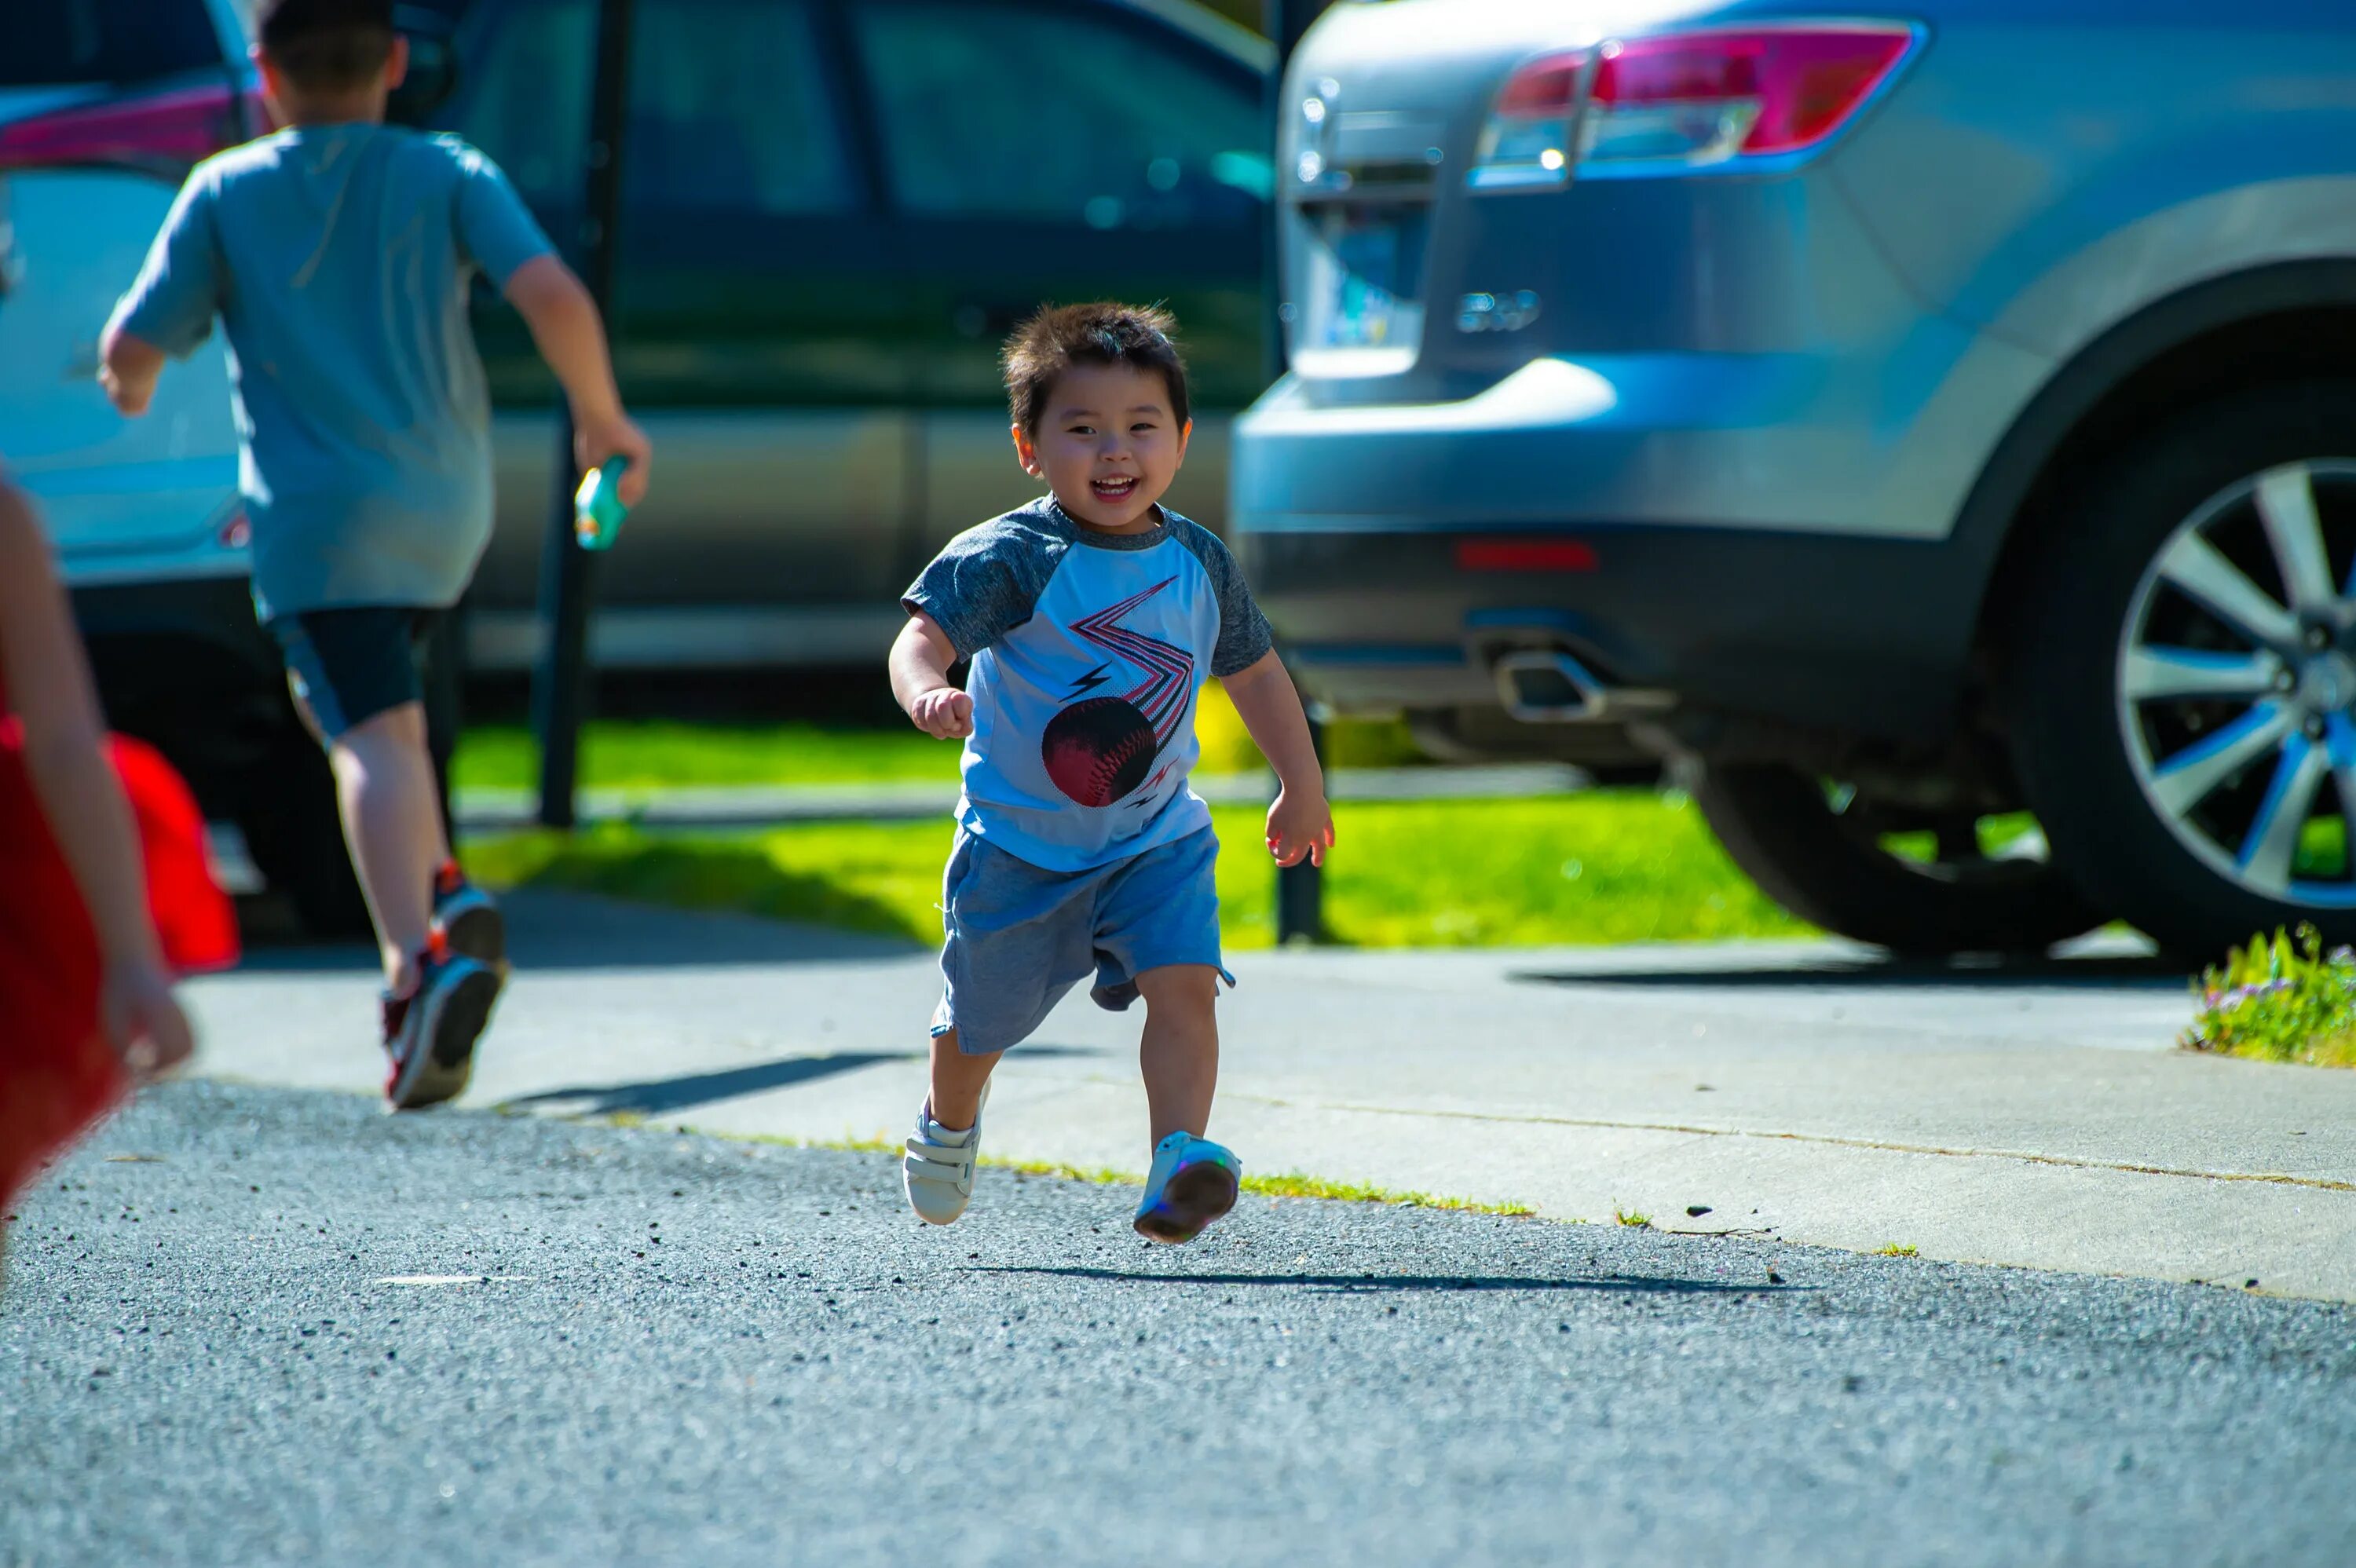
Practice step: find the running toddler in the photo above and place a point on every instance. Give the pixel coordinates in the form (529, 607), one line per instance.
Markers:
(1091, 618)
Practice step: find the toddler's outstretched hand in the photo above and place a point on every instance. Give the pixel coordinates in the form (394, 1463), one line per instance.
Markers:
(945, 713)
(1300, 826)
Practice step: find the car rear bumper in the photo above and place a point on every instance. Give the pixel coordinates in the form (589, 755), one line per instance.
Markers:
(1845, 636)
(1717, 533)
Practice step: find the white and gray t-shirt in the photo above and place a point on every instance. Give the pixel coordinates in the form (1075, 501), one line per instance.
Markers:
(1087, 651)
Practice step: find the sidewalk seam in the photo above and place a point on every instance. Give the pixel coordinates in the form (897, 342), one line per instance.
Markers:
(2275, 1179)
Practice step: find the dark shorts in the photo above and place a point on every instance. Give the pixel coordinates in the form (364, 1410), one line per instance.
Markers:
(350, 666)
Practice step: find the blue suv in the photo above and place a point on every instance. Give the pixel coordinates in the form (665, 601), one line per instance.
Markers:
(1905, 424)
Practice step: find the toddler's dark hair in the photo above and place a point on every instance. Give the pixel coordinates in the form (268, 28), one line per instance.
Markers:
(1103, 333)
(327, 46)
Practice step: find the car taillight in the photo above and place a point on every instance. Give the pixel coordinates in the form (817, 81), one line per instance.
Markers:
(1527, 141)
(168, 134)
(1684, 101)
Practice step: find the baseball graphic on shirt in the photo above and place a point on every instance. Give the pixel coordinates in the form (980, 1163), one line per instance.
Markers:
(1101, 748)
(1098, 750)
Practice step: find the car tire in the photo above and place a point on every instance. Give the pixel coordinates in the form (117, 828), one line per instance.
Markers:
(1828, 866)
(2169, 804)
(297, 840)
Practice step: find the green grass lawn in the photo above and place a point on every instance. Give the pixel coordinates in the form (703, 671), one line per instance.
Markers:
(1605, 867)
(653, 755)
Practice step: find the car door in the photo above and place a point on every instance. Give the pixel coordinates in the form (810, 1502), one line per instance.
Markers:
(81, 82)
(745, 340)
(1038, 151)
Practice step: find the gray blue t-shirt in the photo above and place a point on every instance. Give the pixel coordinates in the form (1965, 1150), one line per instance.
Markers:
(338, 259)
(1088, 649)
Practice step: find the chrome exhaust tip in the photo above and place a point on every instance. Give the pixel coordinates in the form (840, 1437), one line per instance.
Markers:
(1547, 686)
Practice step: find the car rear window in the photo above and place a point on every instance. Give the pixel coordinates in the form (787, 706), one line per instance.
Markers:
(59, 43)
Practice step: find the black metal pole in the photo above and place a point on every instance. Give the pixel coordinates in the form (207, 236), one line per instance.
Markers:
(567, 585)
(1300, 890)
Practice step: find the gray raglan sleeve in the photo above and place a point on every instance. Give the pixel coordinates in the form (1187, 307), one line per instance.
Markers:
(984, 584)
(496, 229)
(171, 306)
(1244, 637)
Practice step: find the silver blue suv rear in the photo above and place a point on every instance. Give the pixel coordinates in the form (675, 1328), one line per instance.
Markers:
(1904, 421)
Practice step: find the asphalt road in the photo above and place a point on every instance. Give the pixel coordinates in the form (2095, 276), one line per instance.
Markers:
(2031, 1115)
(676, 1348)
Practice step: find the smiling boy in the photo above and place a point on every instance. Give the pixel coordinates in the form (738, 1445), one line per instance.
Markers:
(1091, 618)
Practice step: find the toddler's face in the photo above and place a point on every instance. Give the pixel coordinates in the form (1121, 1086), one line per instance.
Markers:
(1108, 444)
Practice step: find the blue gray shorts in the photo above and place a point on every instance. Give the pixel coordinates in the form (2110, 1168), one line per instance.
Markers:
(1021, 937)
(350, 666)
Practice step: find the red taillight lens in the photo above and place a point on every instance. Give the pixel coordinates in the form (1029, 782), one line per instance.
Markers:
(1525, 555)
(1705, 98)
(1684, 101)
(1543, 87)
(168, 134)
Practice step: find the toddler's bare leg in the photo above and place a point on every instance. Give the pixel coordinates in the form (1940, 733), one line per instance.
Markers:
(957, 1081)
(1181, 1051)
(392, 820)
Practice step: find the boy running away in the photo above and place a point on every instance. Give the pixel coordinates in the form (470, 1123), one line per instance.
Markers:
(338, 253)
(1091, 618)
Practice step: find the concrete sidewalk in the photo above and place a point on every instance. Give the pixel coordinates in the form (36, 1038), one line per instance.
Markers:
(1805, 1093)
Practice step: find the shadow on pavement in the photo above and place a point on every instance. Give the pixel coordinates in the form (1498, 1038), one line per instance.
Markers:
(662, 1096)
(556, 930)
(2105, 973)
(1375, 1284)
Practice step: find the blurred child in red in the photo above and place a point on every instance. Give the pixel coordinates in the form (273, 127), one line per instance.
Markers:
(103, 890)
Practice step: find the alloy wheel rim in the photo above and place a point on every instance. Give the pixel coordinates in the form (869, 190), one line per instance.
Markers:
(2235, 683)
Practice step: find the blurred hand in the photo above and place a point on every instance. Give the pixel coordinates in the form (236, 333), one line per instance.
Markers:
(595, 441)
(945, 713)
(143, 1022)
(130, 397)
(1300, 826)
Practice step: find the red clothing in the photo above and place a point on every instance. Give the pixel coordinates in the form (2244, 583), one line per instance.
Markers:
(57, 1074)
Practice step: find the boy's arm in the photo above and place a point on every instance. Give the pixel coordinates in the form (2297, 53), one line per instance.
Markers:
(128, 368)
(49, 686)
(563, 322)
(921, 656)
(1300, 824)
(169, 309)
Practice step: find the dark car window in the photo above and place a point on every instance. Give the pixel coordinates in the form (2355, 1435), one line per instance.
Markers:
(728, 105)
(58, 43)
(1085, 120)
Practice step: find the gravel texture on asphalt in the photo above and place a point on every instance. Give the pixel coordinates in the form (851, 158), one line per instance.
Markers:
(674, 1349)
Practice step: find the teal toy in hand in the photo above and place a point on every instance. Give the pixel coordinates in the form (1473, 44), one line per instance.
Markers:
(597, 508)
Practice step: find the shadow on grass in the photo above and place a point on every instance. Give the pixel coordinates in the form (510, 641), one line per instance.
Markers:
(716, 875)
(2106, 973)
(1379, 1284)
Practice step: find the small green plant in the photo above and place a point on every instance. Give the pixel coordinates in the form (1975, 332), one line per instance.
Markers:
(1895, 1250)
(2283, 999)
(1292, 1185)
(1630, 1217)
